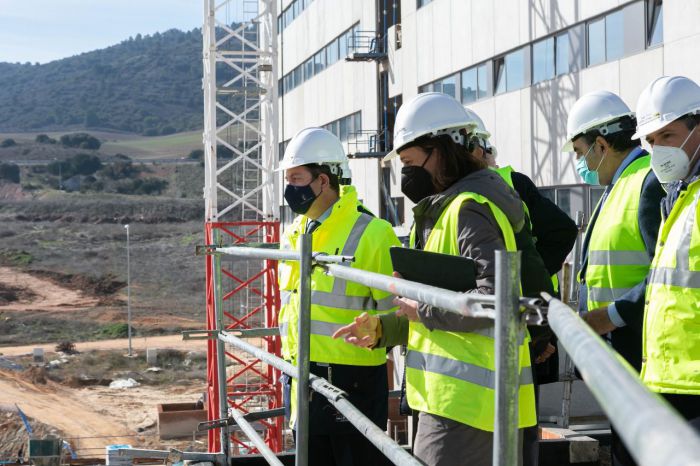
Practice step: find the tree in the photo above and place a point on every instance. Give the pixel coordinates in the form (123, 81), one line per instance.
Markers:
(85, 164)
(9, 142)
(44, 139)
(9, 172)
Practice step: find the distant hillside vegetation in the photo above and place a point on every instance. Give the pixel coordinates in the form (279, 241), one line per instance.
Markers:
(150, 85)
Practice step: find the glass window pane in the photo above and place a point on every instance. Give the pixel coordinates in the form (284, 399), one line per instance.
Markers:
(319, 62)
(343, 45)
(562, 60)
(483, 83)
(332, 53)
(500, 75)
(596, 42)
(614, 36)
(515, 70)
(449, 86)
(296, 8)
(358, 122)
(343, 135)
(655, 14)
(297, 76)
(543, 60)
(308, 69)
(469, 86)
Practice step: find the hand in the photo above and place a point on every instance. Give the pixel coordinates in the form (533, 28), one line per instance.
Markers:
(407, 307)
(548, 351)
(599, 321)
(363, 332)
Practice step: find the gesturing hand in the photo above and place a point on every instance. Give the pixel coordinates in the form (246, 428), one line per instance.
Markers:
(363, 332)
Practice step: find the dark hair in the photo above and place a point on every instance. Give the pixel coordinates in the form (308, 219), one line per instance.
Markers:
(620, 141)
(691, 121)
(317, 169)
(454, 162)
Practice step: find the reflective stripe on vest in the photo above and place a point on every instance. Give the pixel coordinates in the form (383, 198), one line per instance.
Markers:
(451, 374)
(617, 256)
(671, 341)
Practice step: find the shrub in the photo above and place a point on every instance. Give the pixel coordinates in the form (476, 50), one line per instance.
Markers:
(9, 142)
(9, 172)
(67, 347)
(80, 140)
(120, 169)
(44, 139)
(85, 164)
(197, 154)
(116, 330)
(149, 185)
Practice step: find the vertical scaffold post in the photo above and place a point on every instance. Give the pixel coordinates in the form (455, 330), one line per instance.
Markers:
(221, 351)
(304, 352)
(505, 440)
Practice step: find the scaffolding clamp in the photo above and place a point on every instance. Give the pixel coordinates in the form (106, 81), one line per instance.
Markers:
(200, 334)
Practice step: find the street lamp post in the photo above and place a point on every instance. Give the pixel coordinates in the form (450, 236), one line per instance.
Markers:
(128, 289)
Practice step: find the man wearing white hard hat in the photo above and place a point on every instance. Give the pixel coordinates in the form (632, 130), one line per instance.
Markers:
(668, 112)
(318, 175)
(619, 243)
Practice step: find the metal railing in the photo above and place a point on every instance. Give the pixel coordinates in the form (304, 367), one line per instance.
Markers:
(653, 432)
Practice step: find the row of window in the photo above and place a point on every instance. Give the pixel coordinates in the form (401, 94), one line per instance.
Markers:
(344, 127)
(337, 49)
(421, 3)
(291, 12)
(610, 37)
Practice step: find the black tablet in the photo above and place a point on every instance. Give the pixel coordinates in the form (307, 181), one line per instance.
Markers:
(454, 273)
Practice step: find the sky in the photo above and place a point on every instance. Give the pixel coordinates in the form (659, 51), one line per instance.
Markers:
(46, 30)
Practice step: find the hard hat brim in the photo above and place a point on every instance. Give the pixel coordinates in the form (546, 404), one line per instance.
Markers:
(567, 147)
(648, 128)
(390, 156)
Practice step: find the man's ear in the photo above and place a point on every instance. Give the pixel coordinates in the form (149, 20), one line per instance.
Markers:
(604, 146)
(325, 181)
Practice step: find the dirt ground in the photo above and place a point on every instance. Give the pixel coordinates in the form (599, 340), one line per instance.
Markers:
(42, 293)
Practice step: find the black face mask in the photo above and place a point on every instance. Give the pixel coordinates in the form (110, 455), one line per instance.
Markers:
(300, 198)
(416, 182)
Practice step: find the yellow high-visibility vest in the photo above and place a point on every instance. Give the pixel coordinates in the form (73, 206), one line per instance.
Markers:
(617, 257)
(453, 374)
(671, 341)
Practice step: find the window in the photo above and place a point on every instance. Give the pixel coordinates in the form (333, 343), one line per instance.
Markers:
(655, 22)
(357, 125)
(308, 69)
(298, 76)
(343, 45)
(449, 86)
(422, 3)
(469, 85)
(562, 53)
(332, 53)
(614, 36)
(319, 62)
(483, 81)
(543, 60)
(596, 42)
(510, 71)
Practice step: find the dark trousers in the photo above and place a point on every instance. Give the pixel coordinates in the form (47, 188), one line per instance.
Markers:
(333, 440)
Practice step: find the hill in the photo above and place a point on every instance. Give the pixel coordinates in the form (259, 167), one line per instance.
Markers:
(150, 85)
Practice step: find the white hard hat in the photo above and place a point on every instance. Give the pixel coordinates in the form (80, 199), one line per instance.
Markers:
(431, 113)
(664, 100)
(479, 130)
(596, 110)
(316, 145)
(478, 127)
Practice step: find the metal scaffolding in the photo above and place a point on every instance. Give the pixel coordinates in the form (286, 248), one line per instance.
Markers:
(241, 206)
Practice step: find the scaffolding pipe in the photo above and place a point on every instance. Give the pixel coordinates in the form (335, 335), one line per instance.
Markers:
(651, 430)
(216, 458)
(253, 436)
(467, 304)
(304, 352)
(507, 326)
(278, 254)
(220, 354)
(336, 397)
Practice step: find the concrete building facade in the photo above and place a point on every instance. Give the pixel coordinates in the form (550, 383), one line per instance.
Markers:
(520, 64)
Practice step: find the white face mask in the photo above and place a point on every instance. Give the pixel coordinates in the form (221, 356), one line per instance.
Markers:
(671, 163)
